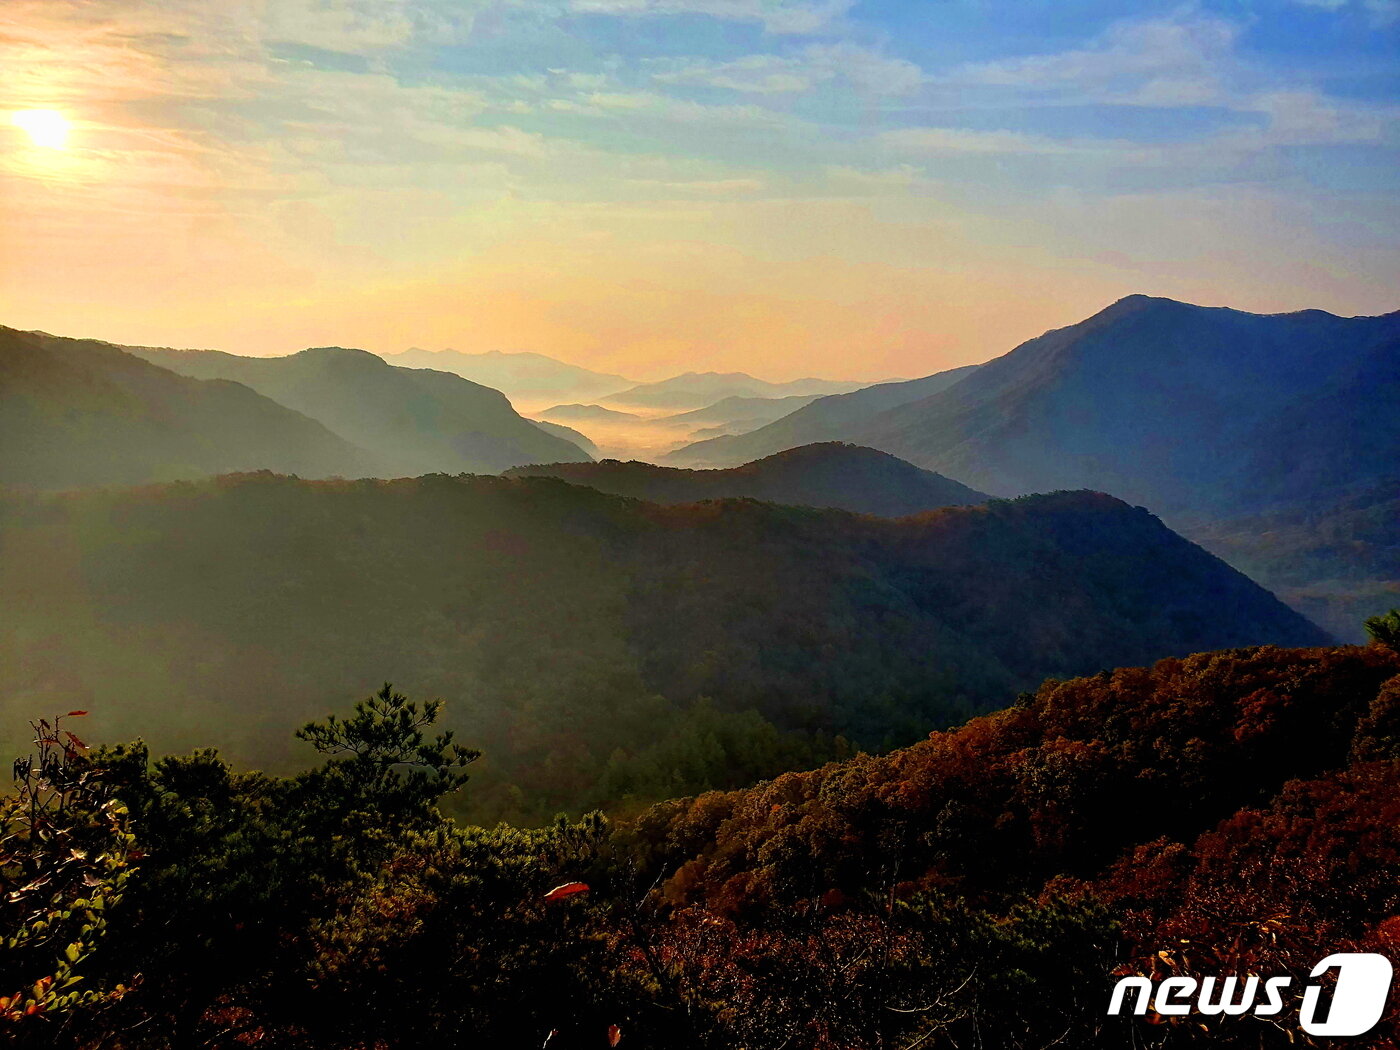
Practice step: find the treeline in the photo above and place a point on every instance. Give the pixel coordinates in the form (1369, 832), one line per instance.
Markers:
(578, 635)
(1232, 812)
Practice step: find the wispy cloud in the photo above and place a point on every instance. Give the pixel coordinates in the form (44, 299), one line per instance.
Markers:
(653, 105)
(1173, 61)
(776, 16)
(1307, 118)
(862, 68)
(1383, 12)
(710, 187)
(934, 141)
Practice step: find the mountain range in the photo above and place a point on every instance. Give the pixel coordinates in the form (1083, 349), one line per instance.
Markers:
(1218, 419)
(738, 415)
(642, 435)
(419, 420)
(1272, 439)
(824, 475)
(81, 412)
(833, 417)
(1176, 406)
(580, 413)
(527, 379)
(570, 435)
(564, 624)
(693, 390)
(1184, 408)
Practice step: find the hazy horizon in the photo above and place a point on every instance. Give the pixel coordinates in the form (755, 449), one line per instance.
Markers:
(656, 373)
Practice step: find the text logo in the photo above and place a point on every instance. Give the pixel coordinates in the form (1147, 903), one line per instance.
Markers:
(1355, 1005)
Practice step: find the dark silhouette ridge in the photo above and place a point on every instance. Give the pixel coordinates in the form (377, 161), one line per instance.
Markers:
(821, 475)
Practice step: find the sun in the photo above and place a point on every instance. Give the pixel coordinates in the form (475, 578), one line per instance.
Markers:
(45, 127)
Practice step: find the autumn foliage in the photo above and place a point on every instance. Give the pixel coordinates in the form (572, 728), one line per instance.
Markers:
(1229, 813)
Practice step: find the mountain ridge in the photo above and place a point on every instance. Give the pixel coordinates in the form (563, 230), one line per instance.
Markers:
(523, 376)
(828, 418)
(846, 477)
(420, 420)
(694, 390)
(87, 412)
(563, 622)
(1220, 419)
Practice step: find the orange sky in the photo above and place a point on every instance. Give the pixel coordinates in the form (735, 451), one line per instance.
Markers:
(219, 188)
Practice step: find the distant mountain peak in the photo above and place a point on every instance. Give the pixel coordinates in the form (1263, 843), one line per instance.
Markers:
(1139, 303)
(523, 376)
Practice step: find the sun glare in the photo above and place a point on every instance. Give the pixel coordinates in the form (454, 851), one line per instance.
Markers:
(46, 127)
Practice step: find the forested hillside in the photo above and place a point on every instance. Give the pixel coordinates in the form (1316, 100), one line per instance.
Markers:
(575, 634)
(1220, 420)
(827, 475)
(1231, 812)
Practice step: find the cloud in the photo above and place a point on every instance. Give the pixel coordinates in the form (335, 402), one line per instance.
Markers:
(757, 74)
(862, 68)
(776, 16)
(1287, 119)
(932, 141)
(1306, 118)
(706, 187)
(1174, 61)
(876, 182)
(1382, 12)
(615, 104)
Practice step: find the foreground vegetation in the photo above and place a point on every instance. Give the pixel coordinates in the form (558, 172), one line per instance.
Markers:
(1230, 812)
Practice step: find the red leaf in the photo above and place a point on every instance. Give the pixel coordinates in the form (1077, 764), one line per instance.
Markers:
(75, 714)
(568, 889)
(614, 1035)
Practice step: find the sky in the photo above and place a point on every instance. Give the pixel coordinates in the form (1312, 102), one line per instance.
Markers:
(784, 187)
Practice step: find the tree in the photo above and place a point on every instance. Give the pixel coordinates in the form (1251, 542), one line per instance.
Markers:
(381, 759)
(1385, 630)
(64, 854)
(243, 867)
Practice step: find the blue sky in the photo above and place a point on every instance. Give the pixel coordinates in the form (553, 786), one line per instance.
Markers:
(786, 186)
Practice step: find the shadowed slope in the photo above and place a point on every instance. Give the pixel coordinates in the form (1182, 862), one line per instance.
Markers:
(553, 616)
(835, 417)
(826, 475)
(419, 420)
(81, 412)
